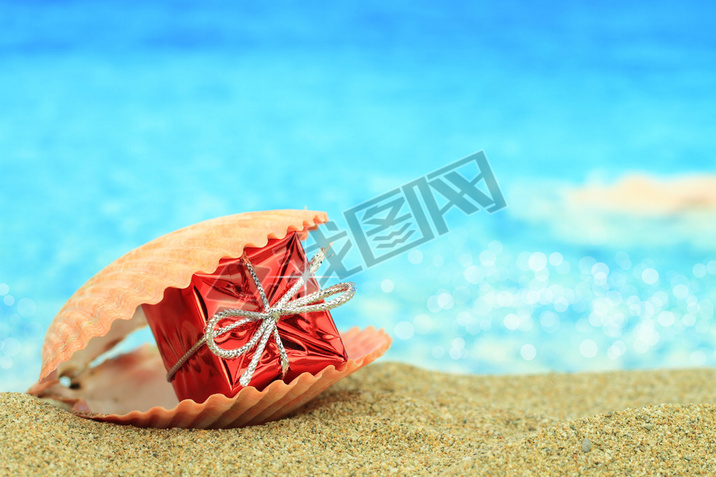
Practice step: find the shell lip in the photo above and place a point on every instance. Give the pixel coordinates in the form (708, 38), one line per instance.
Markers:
(381, 345)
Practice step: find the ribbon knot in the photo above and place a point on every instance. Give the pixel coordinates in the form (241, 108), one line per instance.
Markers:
(269, 318)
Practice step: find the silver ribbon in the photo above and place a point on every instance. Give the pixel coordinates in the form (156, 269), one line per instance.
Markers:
(269, 318)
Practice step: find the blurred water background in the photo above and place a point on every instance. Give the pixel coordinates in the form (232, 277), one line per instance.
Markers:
(122, 121)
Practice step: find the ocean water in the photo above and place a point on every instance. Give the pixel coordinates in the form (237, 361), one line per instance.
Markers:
(122, 121)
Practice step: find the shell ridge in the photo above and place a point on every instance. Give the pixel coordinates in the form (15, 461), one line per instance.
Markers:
(299, 395)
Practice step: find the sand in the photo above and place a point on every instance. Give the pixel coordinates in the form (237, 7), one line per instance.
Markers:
(393, 418)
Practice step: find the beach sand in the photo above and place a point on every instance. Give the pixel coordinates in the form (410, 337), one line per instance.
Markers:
(394, 418)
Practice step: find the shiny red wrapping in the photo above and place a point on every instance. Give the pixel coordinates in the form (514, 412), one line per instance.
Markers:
(177, 322)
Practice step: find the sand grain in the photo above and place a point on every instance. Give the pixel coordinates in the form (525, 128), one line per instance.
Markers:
(393, 418)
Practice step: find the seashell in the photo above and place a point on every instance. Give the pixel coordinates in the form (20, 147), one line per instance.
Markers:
(108, 307)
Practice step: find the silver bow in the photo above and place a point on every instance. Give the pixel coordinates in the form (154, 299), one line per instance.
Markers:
(269, 318)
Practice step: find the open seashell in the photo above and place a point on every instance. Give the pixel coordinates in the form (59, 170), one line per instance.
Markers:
(108, 307)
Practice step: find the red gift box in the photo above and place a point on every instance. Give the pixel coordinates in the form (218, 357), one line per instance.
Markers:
(178, 322)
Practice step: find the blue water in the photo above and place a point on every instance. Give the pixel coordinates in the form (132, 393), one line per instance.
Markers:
(123, 121)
